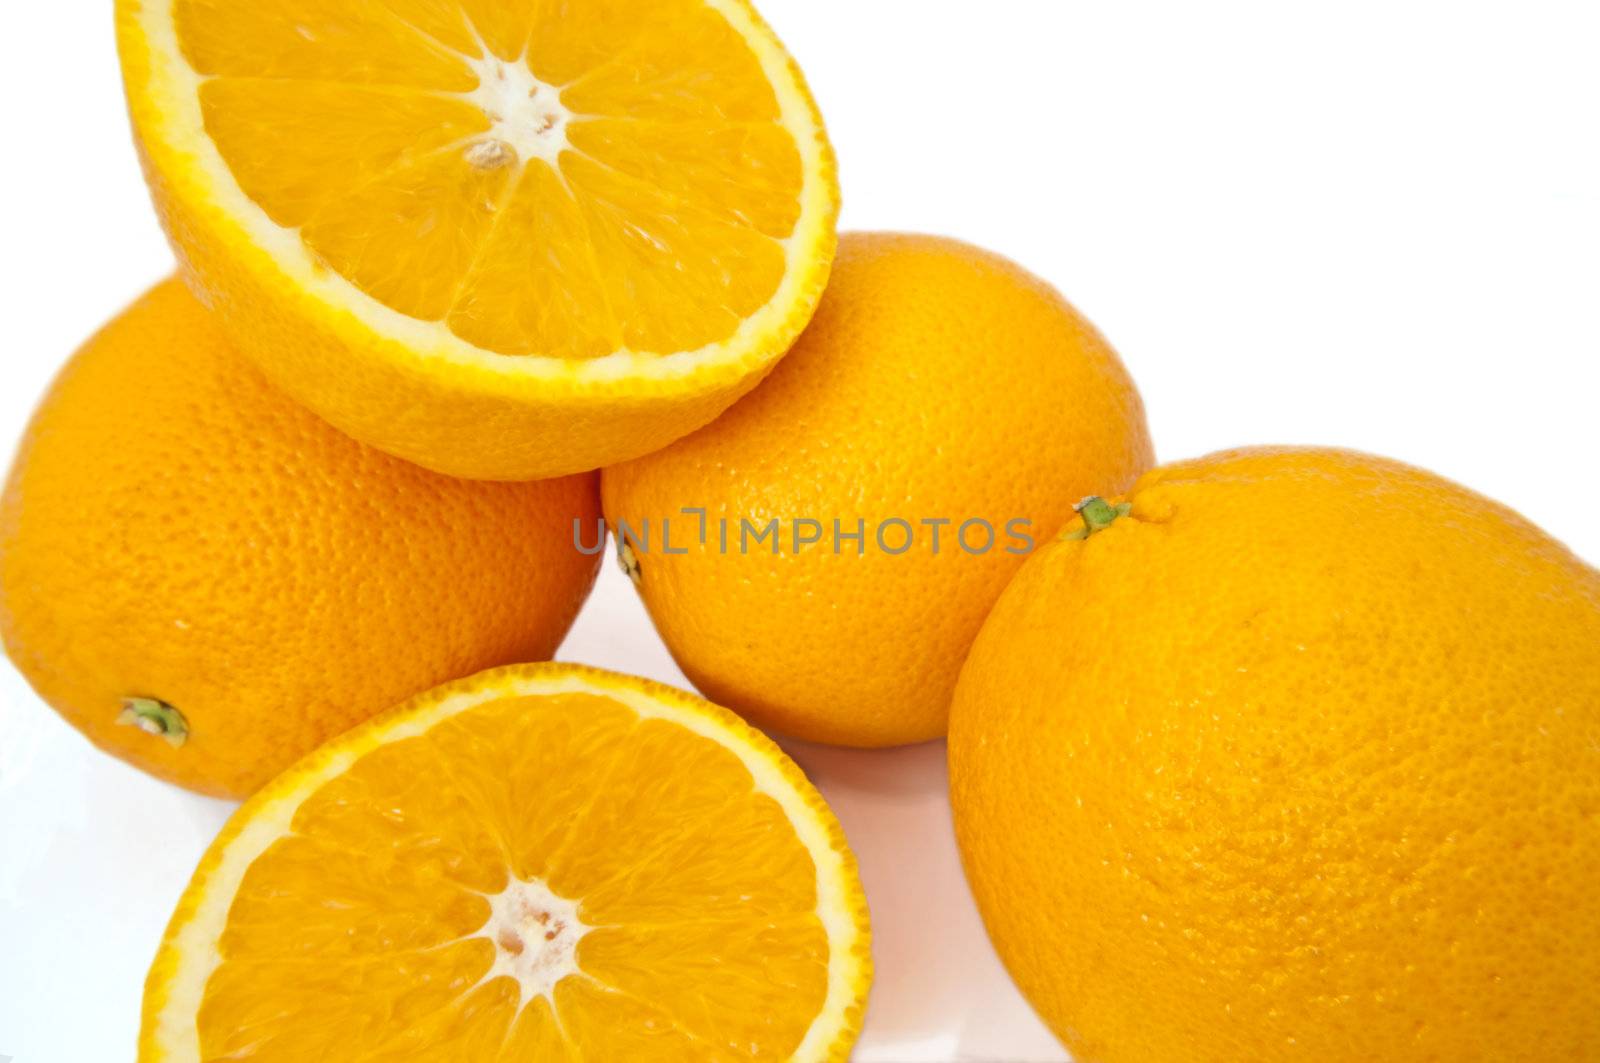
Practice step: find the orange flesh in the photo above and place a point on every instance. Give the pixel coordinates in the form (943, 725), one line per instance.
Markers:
(365, 933)
(659, 227)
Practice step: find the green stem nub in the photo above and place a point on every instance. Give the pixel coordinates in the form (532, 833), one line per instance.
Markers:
(156, 718)
(628, 560)
(1098, 515)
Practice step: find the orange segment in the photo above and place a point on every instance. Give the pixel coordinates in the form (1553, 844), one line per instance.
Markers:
(418, 260)
(741, 171)
(537, 1035)
(523, 751)
(677, 836)
(358, 42)
(503, 27)
(361, 133)
(647, 77)
(676, 273)
(537, 286)
(571, 40)
(538, 863)
(675, 966)
(454, 24)
(627, 1027)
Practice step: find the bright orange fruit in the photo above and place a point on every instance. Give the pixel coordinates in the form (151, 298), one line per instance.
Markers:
(1298, 759)
(208, 581)
(937, 382)
(504, 239)
(539, 863)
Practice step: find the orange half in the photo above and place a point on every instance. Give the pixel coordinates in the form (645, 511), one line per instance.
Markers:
(502, 238)
(539, 863)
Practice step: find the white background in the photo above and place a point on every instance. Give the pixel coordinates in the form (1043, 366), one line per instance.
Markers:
(1369, 224)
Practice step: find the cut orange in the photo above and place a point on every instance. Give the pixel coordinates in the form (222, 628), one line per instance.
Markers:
(543, 862)
(505, 239)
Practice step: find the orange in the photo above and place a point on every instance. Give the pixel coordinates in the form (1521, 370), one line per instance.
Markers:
(542, 863)
(1298, 759)
(504, 239)
(937, 382)
(208, 581)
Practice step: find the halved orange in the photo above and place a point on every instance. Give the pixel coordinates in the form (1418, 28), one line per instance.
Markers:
(505, 239)
(543, 862)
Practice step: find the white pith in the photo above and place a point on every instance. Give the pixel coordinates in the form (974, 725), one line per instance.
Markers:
(535, 934)
(527, 115)
(194, 939)
(177, 126)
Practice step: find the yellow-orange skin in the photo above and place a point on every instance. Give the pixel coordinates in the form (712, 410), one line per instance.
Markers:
(176, 529)
(937, 380)
(1300, 760)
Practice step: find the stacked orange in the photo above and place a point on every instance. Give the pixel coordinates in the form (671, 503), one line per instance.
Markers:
(422, 240)
(1274, 755)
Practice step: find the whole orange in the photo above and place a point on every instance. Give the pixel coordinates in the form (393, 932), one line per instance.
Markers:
(1299, 759)
(208, 581)
(937, 382)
